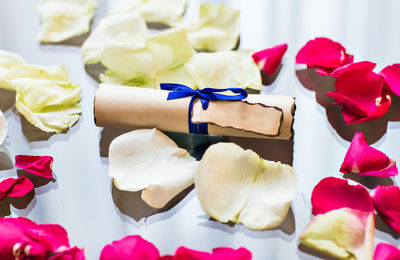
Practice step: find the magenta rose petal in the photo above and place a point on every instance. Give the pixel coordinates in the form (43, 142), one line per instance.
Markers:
(334, 193)
(361, 92)
(15, 188)
(38, 165)
(28, 240)
(269, 59)
(52, 235)
(386, 202)
(130, 247)
(362, 65)
(323, 54)
(72, 253)
(391, 74)
(366, 160)
(384, 251)
(233, 254)
(184, 253)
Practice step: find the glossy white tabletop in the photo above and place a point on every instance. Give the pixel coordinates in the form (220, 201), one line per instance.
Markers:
(94, 213)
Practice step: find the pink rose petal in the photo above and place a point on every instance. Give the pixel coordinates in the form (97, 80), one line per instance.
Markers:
(222, 253)
(130, 247)
(362, 65)
(391, 74)
(386, 202)
(323, 54)
(384, 251)
(15, 188)
(366, 160)
(270, 59)
(361, 93)
(343, 233)
(183, 253)
(38, 165)
(72, 253)
(20, 237)
(334, 193)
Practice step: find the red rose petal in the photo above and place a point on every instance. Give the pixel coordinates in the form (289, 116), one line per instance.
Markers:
(323, 54)
(362, 95)
(130, 247)
(334, 193)
(366, 160)
(15, 188)
(391, 74)
(386, 201)
(384, 251)
(270, 59)
(38, 165)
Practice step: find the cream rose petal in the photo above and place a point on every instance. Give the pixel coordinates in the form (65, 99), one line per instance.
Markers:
(218, 28)
(237, 185)
(64, 19)
(149, 161)
(129, 61)
(343, 233)
(108, 29)
(3, 128)
(224, 70)
(171, 49)
(45, 96)
(7, 60)
(153, 11)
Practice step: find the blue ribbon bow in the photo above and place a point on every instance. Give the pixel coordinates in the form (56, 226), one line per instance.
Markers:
(205, 95)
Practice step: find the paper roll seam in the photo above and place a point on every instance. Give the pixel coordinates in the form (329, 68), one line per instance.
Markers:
(259, 116)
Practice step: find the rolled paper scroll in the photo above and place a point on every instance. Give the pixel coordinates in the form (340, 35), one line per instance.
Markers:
(260, 116)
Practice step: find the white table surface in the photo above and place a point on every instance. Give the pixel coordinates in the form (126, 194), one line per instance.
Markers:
(82, 198)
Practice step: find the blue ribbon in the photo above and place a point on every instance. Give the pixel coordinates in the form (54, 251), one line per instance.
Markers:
(205, 95)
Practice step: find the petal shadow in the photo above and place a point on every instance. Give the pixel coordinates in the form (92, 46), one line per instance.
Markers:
(372, 130)
(132, 205)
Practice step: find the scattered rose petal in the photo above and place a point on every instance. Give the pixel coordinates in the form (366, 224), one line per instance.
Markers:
(335, 193)
(237, 185)
(323, 54)
(167, 12)
(224, 69)
(384, 251)
(218, 28)
(3, 128)
(15, 188)
(72, 253)
(269, 59)
(366, 160)
(391, 74)
(362, 65)
(108, 29)
(222, 253)
(149, 161)
(64, 19)
(343, 233)
(45, 95)
(361, 93)
(386, 202)
(130, 247)
(38, 165)
(22, 238)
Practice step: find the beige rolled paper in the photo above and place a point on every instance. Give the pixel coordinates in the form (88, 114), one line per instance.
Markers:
(261, 116)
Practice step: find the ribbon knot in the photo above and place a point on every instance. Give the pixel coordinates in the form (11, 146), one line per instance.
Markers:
(205, 95)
